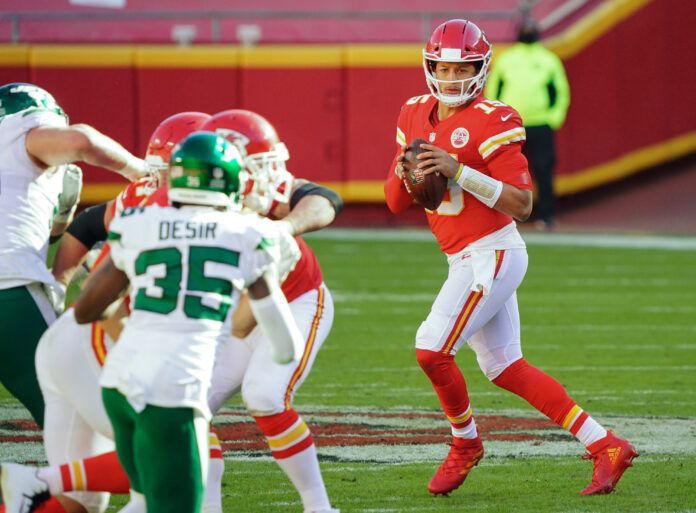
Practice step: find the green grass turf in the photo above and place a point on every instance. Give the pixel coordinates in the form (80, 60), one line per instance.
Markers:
(615, 326)
(660, 484)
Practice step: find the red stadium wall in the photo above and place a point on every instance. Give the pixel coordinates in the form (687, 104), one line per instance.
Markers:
(632, 102)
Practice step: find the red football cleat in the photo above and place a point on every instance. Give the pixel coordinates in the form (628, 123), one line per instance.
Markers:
(611, 457)
(463, 456)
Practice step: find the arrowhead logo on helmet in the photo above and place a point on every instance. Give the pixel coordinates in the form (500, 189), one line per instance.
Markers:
(264, 156)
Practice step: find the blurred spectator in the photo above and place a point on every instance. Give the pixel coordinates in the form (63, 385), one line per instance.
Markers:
(531, 79)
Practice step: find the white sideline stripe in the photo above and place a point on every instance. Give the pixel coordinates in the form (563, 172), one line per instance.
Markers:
(533, 239)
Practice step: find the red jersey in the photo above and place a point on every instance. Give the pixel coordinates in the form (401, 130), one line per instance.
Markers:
(486, 135)
(306, 275)
(136, 194)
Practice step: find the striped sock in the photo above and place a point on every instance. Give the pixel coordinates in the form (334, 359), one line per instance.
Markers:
(463, 426)
(549, 397)
(293, 448)
(212, 499)
(450, 387)
(286, 433)
(102, 473)
(214, 444)
(578, 423)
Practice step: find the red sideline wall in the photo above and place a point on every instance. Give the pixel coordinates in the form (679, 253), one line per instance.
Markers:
(632, 102)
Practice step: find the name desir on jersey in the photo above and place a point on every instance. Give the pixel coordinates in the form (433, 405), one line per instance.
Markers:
(186, 230)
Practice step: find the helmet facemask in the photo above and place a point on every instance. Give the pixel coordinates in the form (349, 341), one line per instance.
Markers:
(271, 181)
(470, 88)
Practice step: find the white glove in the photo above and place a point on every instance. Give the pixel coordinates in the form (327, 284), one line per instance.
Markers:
(56, 295)
(70, 195)
(289, 252)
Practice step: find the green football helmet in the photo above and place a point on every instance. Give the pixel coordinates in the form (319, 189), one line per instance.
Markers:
(20, 96)
(206, 169)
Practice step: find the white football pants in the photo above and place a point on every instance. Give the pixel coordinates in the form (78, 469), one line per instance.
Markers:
(75, 422)
(245, 364)
(489, 323)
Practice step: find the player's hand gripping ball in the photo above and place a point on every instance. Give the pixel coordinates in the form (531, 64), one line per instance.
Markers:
(427, 189)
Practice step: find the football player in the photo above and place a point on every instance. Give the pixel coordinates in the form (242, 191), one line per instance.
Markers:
(69, 359)
(312, 208)
(244, 363)
(39, 192)
(476, 143)
(90, 226)
(186, 264)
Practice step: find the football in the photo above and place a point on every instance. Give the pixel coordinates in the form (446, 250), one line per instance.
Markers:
(426, 189)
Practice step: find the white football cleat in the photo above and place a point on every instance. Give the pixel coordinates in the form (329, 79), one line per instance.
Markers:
(325, 511)
(22, 490)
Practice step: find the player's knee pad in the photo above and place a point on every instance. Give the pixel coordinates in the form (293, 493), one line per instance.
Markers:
(93, 502)
(439, 367)
(261, 400)
(431, 331)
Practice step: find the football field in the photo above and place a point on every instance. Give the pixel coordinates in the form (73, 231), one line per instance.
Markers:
(613, 318)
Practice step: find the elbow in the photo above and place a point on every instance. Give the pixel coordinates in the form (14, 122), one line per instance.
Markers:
(396, 204)
(523, 207)
(523, 212)
(392, 207)
(81, 140)
(396, 207)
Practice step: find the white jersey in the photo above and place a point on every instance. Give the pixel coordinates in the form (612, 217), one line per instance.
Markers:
(186, 268)
(28, 201)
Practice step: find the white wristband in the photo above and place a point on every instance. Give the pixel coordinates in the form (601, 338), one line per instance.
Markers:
(484, 188)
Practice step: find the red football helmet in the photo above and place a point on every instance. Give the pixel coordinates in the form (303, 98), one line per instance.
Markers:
(457, 41)
(169, 133)
(264, 156)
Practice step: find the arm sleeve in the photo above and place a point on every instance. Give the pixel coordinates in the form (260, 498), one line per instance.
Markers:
(312, 189)
(88, 226)
(560, 108)
(398, 198)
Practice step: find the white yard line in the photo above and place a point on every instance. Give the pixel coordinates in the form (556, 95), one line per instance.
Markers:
(533, 239)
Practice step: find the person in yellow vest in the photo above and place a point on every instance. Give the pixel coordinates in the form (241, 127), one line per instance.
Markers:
(531, 79)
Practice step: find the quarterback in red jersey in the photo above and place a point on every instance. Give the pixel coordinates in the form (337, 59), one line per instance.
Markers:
(476, 143)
